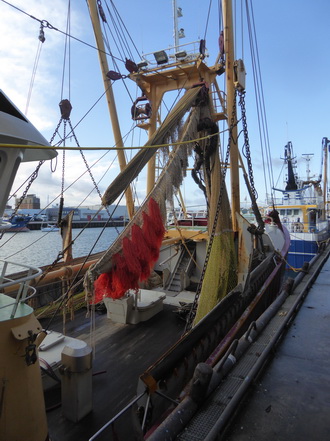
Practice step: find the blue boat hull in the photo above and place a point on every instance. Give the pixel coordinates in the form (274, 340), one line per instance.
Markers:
(303, 250)
(19, 224)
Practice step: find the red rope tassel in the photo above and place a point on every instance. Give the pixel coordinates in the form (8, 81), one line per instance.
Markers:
(102, 286)
(142, 251)
(137, 258)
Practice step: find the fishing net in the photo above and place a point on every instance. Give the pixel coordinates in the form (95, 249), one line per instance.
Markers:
(220, 275)
(130, 258)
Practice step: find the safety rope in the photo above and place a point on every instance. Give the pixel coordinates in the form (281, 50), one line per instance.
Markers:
(145, 147)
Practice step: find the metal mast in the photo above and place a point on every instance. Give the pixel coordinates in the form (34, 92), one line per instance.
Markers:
(175, 24)
(325, 176)
(110, 98)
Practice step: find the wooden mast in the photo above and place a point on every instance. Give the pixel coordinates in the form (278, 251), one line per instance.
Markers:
(110, 99)
(232, 118)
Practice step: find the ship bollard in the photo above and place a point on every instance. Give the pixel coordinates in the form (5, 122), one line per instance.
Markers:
(76, 384)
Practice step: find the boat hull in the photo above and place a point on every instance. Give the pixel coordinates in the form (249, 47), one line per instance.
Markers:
(18, 224)
(304, 246)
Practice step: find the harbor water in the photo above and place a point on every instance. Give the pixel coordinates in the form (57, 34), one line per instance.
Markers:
(37, 248)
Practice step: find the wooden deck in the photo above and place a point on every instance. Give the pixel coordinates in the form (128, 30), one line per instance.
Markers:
(289, 401)
(122, 353)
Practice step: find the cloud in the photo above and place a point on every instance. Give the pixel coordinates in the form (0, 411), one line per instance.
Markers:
(19, 46)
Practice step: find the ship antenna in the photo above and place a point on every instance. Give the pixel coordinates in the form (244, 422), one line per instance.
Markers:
(308, 157)
(177, 12)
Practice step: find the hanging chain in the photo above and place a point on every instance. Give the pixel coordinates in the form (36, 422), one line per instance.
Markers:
(90, 172)
(193, 309)
(21, 199)
(60, 209)
(34, 175)
(85, 161)
(56, 131)
(32, 178)
(254, 194)
(246, 142)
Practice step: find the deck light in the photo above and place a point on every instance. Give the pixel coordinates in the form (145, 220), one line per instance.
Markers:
(181, 54)
(142, 64)
(161, 57)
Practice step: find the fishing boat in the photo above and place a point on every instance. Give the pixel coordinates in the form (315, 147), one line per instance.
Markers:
(227, 269)
(303, 207)
(15, 224)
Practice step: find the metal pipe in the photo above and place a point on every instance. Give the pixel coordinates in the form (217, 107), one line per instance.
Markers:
(229, 410)
(180, 417)
(173, 425)
(64, 272)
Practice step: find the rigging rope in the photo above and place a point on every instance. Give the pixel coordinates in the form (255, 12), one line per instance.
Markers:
(35, 67)
(260, 102)
(67, 47)
(47, 25)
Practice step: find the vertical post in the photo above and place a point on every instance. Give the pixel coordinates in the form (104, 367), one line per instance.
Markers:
(151, 175)
(229, 52)
(175, 24)
(325, 177)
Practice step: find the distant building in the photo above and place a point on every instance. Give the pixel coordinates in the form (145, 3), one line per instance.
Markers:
(79, 214)
(52, 213)
(30, 202)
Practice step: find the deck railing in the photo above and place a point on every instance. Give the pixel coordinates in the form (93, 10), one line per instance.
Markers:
(304, 227)
(24, 292)
(294, 201)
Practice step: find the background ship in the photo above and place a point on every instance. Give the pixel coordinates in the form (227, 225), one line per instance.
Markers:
(303, 208)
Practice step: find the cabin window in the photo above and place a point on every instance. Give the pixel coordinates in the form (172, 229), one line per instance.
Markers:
(295, 212)
(282, 212)
(289, 212)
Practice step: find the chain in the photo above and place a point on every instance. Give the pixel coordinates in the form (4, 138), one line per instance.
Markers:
(56, 131)
(193, 309)
(60, 209)
(32, 178)
(254, 194)
(51, 266)
(85, 161)
(246, 142)
(90, 172)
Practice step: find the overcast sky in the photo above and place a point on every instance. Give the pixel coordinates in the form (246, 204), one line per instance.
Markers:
(293, 45)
